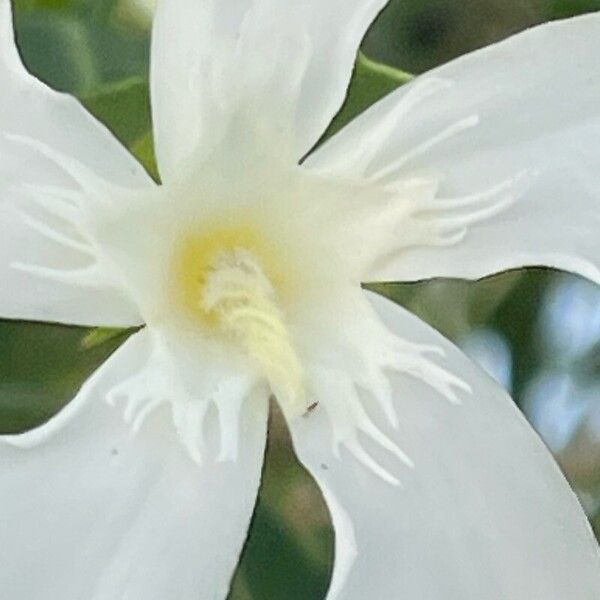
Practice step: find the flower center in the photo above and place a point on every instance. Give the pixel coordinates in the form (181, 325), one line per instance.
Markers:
(243, 301)
(231, 282)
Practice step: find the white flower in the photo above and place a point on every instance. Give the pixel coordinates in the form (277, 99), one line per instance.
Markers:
(245, 267)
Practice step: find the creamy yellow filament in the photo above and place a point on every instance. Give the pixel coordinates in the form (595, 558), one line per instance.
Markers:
(245, 303)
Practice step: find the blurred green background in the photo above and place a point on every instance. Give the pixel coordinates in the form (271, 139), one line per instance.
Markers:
(537, 332)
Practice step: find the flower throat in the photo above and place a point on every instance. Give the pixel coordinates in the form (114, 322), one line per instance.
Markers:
(242, 302)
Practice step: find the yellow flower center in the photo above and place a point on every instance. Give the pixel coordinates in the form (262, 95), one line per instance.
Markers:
(231, 281)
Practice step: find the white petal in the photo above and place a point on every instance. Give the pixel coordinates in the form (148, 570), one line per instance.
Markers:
(485, 513)
(194, 376)
(45, 278)
(39, 130)
(522, 115)
(90, 510)
(283, 64)
(30, 108)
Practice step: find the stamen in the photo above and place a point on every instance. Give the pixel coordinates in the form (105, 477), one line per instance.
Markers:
(245, 304)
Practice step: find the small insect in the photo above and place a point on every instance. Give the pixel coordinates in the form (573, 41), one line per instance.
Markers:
(311, 408)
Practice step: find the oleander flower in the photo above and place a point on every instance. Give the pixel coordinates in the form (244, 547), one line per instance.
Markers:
(243, 270)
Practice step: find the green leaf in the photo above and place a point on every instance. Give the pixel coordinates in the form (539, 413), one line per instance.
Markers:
(564, 9)
(56, 48)
(57, 5)
(371, 81)
(102, 335)
(41, 368)
(143, 150)
(124, 107)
